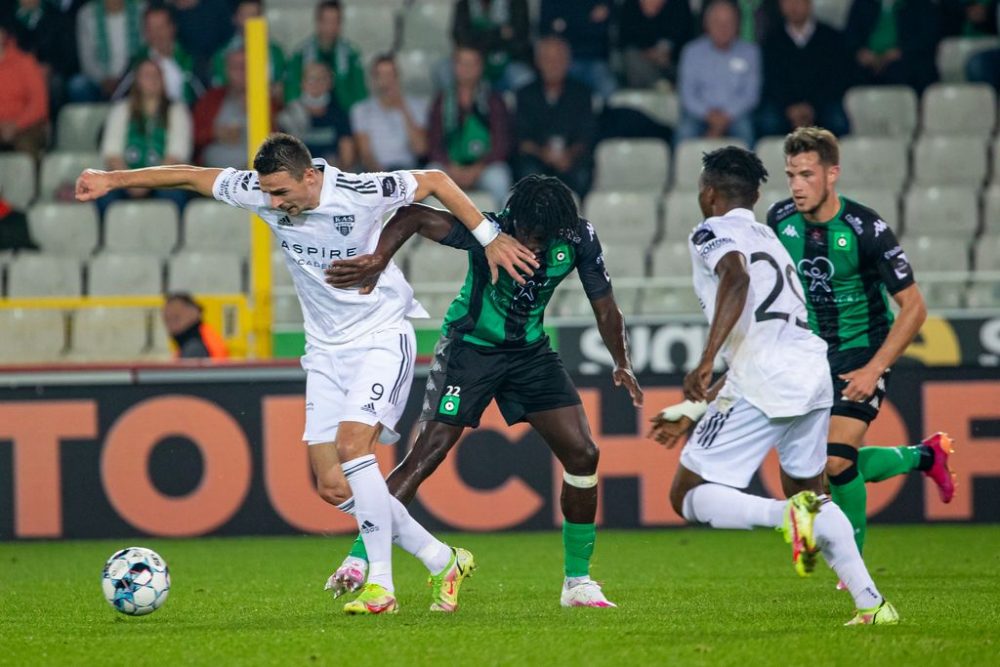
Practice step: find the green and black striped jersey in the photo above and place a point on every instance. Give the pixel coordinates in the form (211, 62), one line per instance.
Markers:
(846, 266)
(510, 315)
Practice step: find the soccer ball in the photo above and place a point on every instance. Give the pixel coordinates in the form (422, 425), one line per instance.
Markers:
(136, 581)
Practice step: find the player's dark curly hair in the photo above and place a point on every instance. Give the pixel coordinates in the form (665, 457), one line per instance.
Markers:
(282, 152)
(542, 206)
(733, 172)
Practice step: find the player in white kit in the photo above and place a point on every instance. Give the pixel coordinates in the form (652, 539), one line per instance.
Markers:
(775, 394)
(359, 347)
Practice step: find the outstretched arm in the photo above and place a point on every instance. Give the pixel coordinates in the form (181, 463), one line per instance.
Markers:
(611, 324)
(429, 222)
(93, 183)
(734, 285)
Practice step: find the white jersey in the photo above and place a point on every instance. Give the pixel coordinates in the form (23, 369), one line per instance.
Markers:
(346, 224)
(775, 361)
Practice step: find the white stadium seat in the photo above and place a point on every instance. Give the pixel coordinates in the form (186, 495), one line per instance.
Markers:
(660, 105)
(17, 179)
(944, 160)
(111, 274)
(38, 275)
(884, 202)
(681, 214)
(623, 216)
(79, 126)
(771, 151)
(991, 209)
(147, 227)
(290, 27)
(882, 111)
(636, 165)
(211, 226)
(427, 26)
(959, 108)
(687, 160)
(205, 273)
(372, 28)
(941, 211)
(31, 336)
(873, 162)
(954, 52)
(416, 71)
(61, 169)
(109, 334)
(70, 230)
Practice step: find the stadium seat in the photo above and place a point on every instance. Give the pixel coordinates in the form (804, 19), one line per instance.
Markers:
(70, 230)
(991, 209)
(687, 160)
(37, 275)
(416, 71)
(987, 253)
(205, 273)
(109, 334)
(31, 335)
(61, 169)
(427, 26)
(145, 227)
(662, 106)
(436, 302)
(873, 162)
(631, 165)
(668, 301)
(944, 160)
(941, 211)
(882, 111)
(625, 259)
(623, 216)
(672, 259)
(954, 52)
(211, 226)
(287, 312)
(833, 12)
(111, 274)
(936, 253)
(373, 28)
(985, 292)
(280, 275)
(771, 151)
(681, 214)
(959, 108)
(289, 27)
(770, 194)
(883, 202)
(435, 263)
(78, 127)
(17, 179)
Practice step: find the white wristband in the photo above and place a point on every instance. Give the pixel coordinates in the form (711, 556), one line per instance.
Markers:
(690, 409)
(486, 231)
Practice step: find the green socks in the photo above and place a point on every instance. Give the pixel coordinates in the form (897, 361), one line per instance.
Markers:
(358, 549)
(578, 547)
(876, 464)
(852, 497)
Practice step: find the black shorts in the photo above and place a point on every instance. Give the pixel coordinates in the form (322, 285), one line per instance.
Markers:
(464, 378)
(844, 362)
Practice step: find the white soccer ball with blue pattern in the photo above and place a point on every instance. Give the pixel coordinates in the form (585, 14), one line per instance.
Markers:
(136, 581)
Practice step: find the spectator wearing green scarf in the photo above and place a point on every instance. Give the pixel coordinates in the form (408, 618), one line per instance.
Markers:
(108, 36)
(327, 46)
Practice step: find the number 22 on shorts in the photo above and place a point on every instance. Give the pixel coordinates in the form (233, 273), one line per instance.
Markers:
(450, 401)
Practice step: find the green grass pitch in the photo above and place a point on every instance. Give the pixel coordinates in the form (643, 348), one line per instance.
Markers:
(688, 596)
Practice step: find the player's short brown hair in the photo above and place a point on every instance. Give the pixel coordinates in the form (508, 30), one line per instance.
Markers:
(282, 152)
(813, 140)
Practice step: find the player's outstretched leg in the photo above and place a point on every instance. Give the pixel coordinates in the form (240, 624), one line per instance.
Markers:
(567, 433)
(930, 457)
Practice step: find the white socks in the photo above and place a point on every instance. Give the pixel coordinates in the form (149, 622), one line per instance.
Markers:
(835, 538)
(725, 507)
(415, 539)
(373, 512)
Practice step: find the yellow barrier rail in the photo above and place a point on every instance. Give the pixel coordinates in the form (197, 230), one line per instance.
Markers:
(229, 314)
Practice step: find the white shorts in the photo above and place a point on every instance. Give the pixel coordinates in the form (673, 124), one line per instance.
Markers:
(729, 447)
(367, 381)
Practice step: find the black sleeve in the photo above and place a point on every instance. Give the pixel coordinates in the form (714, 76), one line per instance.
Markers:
(590, 265)
(460, 237)
(883, 250)
(194, 348)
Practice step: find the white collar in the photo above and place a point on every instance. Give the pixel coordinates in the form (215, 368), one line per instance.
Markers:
(802, 37)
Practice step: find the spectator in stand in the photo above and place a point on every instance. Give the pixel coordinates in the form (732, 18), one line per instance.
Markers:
(652, 34)
(249, 9)
(203, 27)
(340, 56)
(968, 18)
(555, 123)
(317, 119)
(586, 25)
(46, 31)
(24, 99)
(893, 42)
(14, 233)
(220, 119)
(501, 29)
(984, 67)
(176, 64)
(182, 317)
(757, 19)
(468, 131)
(719, 79)
(108, 37)
(390, 128)
(804, 67)
(146, 129)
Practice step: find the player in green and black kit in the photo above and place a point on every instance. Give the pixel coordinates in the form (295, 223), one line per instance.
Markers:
(848, 260)
(494, 347)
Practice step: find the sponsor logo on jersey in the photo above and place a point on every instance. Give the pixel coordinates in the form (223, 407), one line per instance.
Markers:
(843, 241)
(702, 235)
(590, 230)
(889, 254)
(790, 231)
(880, 227)
(819, 271)
(343, 223)
(449, 405)
(285, 221)
(559, 260)
(320, 253)
(388, 186)
(901, 266)
(714, 245)
(854, 221)
(369, 408)
(367, 527)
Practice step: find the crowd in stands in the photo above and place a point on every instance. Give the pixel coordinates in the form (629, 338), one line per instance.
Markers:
(515, 97)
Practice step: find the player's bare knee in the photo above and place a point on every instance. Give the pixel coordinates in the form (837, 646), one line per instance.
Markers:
(836, 465)
(583, 459)
(334, 493)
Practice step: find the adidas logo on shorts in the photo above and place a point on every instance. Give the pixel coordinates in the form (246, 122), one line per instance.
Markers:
(367, 527)
(370, 408)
